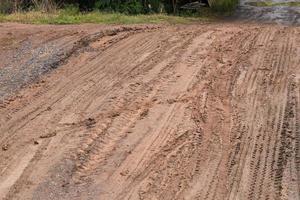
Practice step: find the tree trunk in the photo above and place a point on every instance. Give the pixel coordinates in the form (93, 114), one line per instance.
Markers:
(174, 6)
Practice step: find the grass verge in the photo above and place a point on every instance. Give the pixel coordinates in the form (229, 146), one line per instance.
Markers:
(63, 17)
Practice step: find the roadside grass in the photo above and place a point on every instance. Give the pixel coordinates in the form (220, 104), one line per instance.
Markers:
(66, 17)
(270, 4)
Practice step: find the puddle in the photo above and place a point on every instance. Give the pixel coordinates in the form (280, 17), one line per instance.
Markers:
(275, 11)
(271, 4)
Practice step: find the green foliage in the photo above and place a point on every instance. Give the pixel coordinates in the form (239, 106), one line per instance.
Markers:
(103, 5)
(6, 6)
(131, 7)
(156, 6)
(70, 9)
(225, 5)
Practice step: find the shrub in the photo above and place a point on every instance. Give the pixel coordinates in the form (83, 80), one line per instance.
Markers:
(133, 7)
(129, 7)
(224, 5)
(71, 9)
(155, 6)
(9, 6)
(6, 6)
(103, 5)
(44, 5)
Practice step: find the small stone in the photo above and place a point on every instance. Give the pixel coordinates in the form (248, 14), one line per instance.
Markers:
(122, 174)
(5, 147)
(49, 135)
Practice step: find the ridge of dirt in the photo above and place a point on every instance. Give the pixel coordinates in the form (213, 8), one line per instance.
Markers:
(52, 53)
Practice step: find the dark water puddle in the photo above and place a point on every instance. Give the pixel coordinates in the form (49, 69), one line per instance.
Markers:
(271, 11)
(270, 3)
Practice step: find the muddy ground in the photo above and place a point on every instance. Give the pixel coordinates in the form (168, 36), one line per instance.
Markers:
(205, 111)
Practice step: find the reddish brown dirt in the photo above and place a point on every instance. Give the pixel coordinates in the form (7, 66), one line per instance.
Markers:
(208, 111)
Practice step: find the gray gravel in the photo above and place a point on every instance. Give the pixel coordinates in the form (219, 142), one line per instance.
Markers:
(35, 56)
(27, 65)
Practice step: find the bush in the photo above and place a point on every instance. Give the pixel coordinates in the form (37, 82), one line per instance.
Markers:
(155, 6)
(6, 6)
(9, 6)
(71, 9)
(103, 5)
(225, 5)
(132, 7)
(123, 6)
(85, 5)
(43, 5)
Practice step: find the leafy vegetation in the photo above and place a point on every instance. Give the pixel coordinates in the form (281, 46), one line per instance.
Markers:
(225, 5)
(123, 6)
(107, 11)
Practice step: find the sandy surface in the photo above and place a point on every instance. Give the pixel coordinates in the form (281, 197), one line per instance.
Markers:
(207, 111)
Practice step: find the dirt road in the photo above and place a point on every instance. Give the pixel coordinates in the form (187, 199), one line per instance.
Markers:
(206, 111)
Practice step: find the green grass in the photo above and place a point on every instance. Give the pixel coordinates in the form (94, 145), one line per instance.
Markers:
(271, 4)
(65, 17)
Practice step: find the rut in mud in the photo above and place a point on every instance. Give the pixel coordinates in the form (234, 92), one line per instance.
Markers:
(205, 111)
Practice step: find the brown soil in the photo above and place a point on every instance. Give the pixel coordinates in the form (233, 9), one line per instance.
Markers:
(207, 111)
